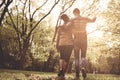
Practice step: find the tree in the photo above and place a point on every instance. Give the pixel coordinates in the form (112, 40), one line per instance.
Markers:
(4, 4)
(108, 45)
(24, 25)
(114, 30)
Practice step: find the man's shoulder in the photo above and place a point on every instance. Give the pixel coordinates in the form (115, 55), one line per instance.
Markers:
(79, 17)
(72, 19)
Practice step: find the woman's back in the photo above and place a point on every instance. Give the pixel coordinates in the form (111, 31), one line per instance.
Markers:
(65, 36)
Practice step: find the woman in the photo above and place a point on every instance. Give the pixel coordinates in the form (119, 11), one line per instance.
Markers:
(64, 45)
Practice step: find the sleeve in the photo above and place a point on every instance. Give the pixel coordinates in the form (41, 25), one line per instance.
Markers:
(90, 20)
(69, 25)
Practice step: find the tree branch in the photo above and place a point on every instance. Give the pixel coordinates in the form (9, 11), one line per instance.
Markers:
(39, 8)
(58, 20)
(13, 23)
(42, 18)
(3, 2)
(5, 10)
(69, 5)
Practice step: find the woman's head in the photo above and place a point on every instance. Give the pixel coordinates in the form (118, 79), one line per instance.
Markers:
(64, 17)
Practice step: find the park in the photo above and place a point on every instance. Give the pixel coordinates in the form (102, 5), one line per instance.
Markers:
(28, 31)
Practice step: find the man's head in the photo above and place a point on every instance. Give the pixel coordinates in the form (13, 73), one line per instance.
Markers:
(76, 11)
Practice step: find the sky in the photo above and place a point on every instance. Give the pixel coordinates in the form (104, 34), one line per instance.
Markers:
(81, 4)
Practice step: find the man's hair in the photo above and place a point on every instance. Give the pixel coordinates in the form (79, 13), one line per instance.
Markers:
(64, 17)
(76, 10)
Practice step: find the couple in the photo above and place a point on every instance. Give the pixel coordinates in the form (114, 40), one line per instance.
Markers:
(72, 35)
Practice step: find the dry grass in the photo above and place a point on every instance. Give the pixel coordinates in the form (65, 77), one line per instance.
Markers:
(32, 75)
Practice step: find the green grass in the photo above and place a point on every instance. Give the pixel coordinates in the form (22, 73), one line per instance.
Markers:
(33, 75)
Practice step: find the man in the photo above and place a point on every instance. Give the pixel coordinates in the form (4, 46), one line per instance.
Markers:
(80, 40)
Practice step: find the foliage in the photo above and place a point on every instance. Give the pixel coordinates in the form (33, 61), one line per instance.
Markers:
(25, 25)
(26, 33)
(105, 54)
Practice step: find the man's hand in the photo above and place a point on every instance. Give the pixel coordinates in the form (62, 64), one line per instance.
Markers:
(94, 19)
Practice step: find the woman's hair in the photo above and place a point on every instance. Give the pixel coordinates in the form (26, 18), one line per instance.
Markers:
(64, 17)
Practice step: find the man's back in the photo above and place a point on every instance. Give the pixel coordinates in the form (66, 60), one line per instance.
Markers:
(79, 24)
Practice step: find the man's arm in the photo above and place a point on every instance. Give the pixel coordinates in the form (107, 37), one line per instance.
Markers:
(69, 24)
(90, 20)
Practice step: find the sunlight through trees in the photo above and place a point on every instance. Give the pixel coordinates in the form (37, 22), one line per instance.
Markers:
(27, 28)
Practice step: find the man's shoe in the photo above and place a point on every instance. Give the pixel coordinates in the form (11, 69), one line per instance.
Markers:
(84, 74)
(77, 76)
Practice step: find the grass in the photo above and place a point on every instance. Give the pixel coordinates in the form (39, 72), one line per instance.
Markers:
(33, 75)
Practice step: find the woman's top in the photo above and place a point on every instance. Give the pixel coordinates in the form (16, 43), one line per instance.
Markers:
(65, 35)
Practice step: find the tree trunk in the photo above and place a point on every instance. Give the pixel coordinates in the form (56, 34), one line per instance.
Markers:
(112, 69)
(1, 56)
(22, 61)
(119, 64)
(23, 55)
(47, 65)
